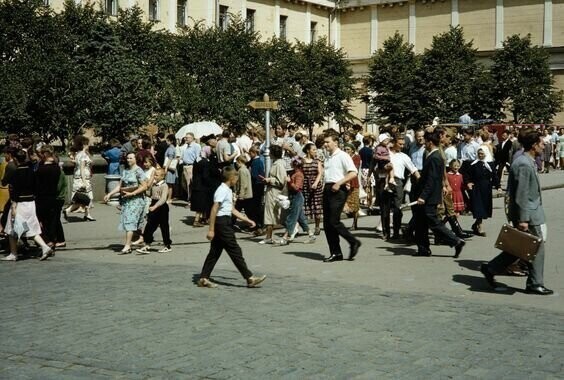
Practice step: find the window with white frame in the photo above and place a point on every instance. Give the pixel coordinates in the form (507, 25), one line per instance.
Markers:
(223, 17)
(250, 20)
(181, 13)
(112, 7)
(283, 25)
(154, 10)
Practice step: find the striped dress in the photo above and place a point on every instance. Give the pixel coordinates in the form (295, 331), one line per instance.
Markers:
(313, 204)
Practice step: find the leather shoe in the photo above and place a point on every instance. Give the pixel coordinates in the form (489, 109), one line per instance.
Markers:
(332, 258)
(539, 289)
(458, 248)
(488, 275)
(354, 249)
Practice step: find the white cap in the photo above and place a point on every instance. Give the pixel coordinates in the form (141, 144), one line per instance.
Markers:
(383, 137)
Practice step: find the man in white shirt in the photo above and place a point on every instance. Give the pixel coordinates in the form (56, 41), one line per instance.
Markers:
(339, 169)
(189, 156)
(401, 163)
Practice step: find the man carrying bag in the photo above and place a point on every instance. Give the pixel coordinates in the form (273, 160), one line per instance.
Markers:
(525, 212)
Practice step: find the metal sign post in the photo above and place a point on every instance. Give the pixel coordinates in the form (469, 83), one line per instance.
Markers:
(267, 105)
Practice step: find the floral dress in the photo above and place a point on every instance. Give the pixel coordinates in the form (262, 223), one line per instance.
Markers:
(78, 184)
(313, 198)
(132, 208)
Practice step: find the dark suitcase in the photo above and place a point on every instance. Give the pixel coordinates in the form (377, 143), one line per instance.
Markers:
(518, 243)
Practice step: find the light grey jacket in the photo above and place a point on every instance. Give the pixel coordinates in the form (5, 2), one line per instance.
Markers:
(525, 200)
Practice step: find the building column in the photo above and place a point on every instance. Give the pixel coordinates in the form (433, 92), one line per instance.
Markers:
(547, 40)
(412, 25)
(171, 24)
(454, 15)
(210, 19)
(373, 29)
(243, 10)
(277, 18)
(307, 26)
(499, 24)
(336, 29)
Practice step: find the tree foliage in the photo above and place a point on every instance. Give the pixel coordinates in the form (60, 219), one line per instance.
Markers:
(447, 81)
(525, 82)
(396, 90)
(80, 67)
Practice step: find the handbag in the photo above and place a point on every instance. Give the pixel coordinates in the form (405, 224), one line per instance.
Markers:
(171, 164)
(81, 197)
(521, 244)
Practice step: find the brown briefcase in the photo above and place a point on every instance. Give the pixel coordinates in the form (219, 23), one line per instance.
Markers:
(518, 243)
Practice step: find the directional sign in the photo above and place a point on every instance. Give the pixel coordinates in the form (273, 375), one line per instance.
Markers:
(272, 105)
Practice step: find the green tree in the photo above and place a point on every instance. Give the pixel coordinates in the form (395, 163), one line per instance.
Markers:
(395, 89)
(524, 80)
(448, 70)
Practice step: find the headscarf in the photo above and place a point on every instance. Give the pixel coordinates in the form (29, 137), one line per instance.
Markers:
(484, 160)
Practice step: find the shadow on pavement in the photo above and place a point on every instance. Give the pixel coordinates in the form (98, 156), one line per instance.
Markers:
(401, 251)
(470, 264)
(307, 255)
(479, 285)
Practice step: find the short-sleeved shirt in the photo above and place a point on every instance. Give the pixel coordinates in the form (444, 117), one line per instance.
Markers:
(224, 196)
(337, 166)
(223, 147)
(401, 161)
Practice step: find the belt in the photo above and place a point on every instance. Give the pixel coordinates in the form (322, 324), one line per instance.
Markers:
(189, 164)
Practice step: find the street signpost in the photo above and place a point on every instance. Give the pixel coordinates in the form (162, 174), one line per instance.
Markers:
(267, 105)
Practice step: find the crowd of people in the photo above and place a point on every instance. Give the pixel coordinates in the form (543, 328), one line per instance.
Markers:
(440, 173)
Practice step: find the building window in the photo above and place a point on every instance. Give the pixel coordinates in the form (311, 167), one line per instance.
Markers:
(223, 17)
(154, 10)
(181, 13)
(312, 31)
(283, 22)
(112, 7)
(250, 20)
(46, 3)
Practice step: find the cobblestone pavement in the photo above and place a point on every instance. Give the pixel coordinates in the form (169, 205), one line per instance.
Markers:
(88, 313)
(105, 320)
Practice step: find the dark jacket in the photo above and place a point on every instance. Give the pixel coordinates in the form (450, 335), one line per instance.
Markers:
(504, 154)
(431, 182)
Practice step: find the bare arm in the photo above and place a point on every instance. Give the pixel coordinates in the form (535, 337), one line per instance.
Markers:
(213, 215)
(319, 174)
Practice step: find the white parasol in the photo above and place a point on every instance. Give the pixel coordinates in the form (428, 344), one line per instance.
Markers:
(199, 129)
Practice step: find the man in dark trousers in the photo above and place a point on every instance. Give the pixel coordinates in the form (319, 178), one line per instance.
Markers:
(339, 169)
(525, 211)
(503, 154)
(429, 190)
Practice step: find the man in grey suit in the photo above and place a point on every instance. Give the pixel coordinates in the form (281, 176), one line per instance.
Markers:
(525, 212)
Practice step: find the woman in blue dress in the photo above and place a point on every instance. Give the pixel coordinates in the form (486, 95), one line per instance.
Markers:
(132, 189)
(171, 161)
(113, 157)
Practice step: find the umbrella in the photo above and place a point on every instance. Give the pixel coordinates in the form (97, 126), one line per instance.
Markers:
(199, 129)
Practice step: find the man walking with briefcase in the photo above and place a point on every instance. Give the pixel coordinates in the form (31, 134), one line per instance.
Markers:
(525, 211)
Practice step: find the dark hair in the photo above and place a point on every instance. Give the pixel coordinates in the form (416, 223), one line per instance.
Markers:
(160, 135)
(528, 138)
(366, 140)
(11, 150)
(79, 142)
(171, 139)
(276, 152)
(331, 133)
(151, 159)
(433, 136)
(114, 143)
(21, 156)
(307, 147)
(146, 143)
(27, 142)
(225, 133)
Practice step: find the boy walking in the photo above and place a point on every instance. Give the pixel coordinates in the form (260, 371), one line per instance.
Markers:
(157, 216)
(222, 235)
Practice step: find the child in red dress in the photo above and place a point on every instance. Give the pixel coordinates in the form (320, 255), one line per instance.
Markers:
(456, 183)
